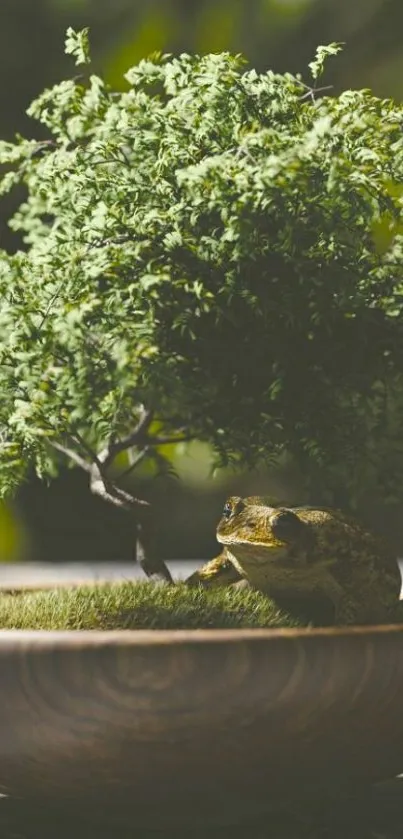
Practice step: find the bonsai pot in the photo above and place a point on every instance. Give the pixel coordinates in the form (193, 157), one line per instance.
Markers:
(202, 726)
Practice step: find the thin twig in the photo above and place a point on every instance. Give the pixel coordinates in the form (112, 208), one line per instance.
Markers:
(162, 441)
(50, 304)
(313, 91)
(135, 462)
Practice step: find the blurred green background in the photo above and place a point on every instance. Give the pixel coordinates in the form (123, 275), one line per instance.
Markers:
(62, 522)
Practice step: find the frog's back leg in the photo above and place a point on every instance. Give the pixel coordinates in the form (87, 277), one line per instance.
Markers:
(215, 573)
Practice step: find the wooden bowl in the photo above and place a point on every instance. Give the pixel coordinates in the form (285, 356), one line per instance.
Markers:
(201, 726)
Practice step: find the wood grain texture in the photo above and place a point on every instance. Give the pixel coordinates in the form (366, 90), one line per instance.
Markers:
(198, 726)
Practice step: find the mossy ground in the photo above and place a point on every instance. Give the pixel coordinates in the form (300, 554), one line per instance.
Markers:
(139, 605)
(145, 605)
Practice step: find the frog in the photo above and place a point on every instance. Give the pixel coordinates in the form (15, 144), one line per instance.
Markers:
(317, 564)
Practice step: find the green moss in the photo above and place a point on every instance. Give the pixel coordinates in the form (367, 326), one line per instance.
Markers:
(140, 605)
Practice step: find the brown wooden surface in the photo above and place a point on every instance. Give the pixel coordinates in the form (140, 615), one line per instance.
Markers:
(190, 725)
(373, 813)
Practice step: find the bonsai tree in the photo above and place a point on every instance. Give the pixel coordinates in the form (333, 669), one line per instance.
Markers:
(212, 253)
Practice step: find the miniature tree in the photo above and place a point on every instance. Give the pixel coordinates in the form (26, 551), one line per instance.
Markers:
(205, 256)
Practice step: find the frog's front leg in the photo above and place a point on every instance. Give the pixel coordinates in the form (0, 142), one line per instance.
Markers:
(342, 609)
(216, 573)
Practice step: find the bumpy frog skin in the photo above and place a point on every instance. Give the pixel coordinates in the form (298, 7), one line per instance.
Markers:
(316, 564)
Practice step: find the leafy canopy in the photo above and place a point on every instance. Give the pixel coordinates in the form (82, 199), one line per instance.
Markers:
(204, 246)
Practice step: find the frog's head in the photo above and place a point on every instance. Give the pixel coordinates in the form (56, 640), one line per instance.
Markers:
(255, 532)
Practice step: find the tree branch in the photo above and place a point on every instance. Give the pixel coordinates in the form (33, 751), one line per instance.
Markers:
(138, 435)
(151, 563)
(77, 438)
(70, 453)
(101, 485)
(105, 487)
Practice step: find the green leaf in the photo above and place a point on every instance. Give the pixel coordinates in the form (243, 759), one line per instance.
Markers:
(322, 53)
(77, 44)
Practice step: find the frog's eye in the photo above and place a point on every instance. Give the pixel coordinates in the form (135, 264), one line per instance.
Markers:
(286, 526)
(232, 507)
